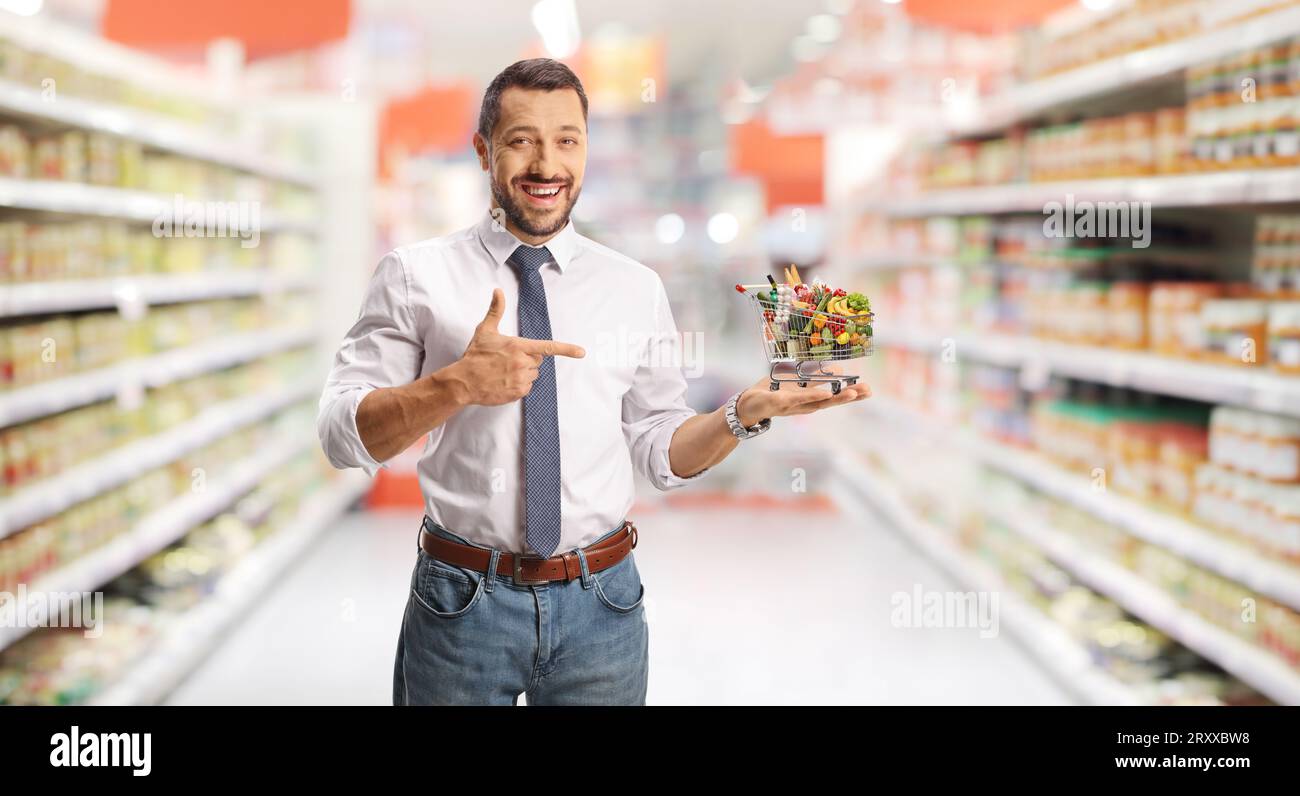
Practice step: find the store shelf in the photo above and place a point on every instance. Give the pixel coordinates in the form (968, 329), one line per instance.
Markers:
(1215, 189)
(1257, 667)
(151, 130)
(158, 529)
(1262, 670)
(1079, 86)
(1198, 545)
(191, 639)
(1059, 654)
(49, 497)
(1254, 388)
(58, 395)
(891, 260)
(79, 199)
(35, 298)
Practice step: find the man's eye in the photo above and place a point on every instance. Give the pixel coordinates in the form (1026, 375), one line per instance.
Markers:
(520, 141)
(569, 141)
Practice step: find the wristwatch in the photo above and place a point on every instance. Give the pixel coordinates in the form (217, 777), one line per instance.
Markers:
(734, 421)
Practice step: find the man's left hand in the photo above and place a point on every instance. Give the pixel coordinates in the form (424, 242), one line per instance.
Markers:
(760, 401)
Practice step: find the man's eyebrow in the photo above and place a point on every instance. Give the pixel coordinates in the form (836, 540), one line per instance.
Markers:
(528, 128)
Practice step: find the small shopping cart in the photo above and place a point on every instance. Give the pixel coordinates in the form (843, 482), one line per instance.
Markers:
(799, 341)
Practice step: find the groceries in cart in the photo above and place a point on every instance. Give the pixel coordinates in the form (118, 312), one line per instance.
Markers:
(805, 325)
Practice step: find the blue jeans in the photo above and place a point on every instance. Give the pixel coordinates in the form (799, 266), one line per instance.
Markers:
(473, 639)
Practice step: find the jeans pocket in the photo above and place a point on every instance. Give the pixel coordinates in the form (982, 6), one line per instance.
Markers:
(445, 590)
(619, 588)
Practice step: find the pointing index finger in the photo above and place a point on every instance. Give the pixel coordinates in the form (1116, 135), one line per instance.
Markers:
(552, 348)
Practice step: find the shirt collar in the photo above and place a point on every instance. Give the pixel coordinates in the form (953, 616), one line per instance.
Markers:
(501, 243)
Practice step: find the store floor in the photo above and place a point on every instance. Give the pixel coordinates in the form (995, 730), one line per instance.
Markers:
(802, 616)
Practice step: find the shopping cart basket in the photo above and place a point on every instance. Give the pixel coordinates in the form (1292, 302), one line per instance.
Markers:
(807, 339)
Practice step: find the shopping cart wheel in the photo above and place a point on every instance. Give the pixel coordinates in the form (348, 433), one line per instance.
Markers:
(803, 384)
(774, 386)
(835, 388)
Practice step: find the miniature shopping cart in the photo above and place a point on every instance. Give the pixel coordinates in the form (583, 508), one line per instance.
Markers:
(799, 341)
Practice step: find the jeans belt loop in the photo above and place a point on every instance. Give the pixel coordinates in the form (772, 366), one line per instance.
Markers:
(586, 573)
(491, 574)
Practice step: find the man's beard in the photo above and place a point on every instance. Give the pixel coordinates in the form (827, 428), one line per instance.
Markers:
(516, 214)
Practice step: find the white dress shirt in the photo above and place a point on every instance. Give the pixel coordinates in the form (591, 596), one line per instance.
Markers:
(617, 407)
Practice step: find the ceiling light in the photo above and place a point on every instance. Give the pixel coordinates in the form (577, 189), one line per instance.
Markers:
(557, 23)
(669, 228)
(824, 28)
(1096, 5)
(723, 228)
(26, 8)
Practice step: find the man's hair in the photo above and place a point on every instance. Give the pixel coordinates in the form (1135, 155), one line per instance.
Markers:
(545, 74)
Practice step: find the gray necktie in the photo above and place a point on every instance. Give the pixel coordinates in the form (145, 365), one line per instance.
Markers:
(541, 426)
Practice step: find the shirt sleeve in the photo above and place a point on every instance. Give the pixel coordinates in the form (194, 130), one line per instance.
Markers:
(655, 405)
(382, 349)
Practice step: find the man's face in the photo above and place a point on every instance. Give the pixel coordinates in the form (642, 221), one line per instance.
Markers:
(536, 159)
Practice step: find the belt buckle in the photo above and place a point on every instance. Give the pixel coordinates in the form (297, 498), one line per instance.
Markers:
(519, 581)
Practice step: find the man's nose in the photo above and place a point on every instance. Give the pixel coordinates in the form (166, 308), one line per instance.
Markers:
(543, 161)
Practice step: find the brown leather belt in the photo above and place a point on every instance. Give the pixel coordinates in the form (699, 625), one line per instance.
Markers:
(526, 570)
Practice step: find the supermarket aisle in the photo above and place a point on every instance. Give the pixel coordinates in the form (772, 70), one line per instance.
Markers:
(803, 618)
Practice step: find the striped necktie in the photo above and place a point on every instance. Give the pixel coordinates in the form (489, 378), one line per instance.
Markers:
(541, 426)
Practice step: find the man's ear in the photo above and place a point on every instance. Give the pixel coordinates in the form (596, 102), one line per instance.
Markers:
(481, 147)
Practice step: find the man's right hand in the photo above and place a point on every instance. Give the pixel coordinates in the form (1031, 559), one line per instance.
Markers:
(496, 368)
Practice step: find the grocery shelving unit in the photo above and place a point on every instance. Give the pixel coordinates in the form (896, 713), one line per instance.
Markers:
(160, 528)
(1250, 387)
(1232, 560)
(1077, 86)
(49, 397)
(1210, 189)
(37, 298)
(186, 643)
(1265, 672)
(102, 201)
(53, 495)
(1060, 655)
(222, 144)
(1108, 88)
(150, 129)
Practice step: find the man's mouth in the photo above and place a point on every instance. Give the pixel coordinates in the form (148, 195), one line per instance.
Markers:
(543, 194)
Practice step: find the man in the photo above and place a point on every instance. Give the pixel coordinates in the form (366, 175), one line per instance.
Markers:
(525, 580)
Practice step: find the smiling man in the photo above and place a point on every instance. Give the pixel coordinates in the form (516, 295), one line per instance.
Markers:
(525, 581)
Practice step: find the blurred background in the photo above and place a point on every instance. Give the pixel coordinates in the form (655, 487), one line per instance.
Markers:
(1076, 481)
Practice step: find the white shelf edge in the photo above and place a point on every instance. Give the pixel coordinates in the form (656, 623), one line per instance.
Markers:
(75, 198)
(38, 298)
(50, 496)
(1232, 560)
(1212, 189)
(158, 529)
(58, 395)
(1255, 666)
(1252, 388)
(1048, 644)
(184, 645)
(1119, 73)
(150, 129)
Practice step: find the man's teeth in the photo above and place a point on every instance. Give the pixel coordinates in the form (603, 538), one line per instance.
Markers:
(542, 191)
